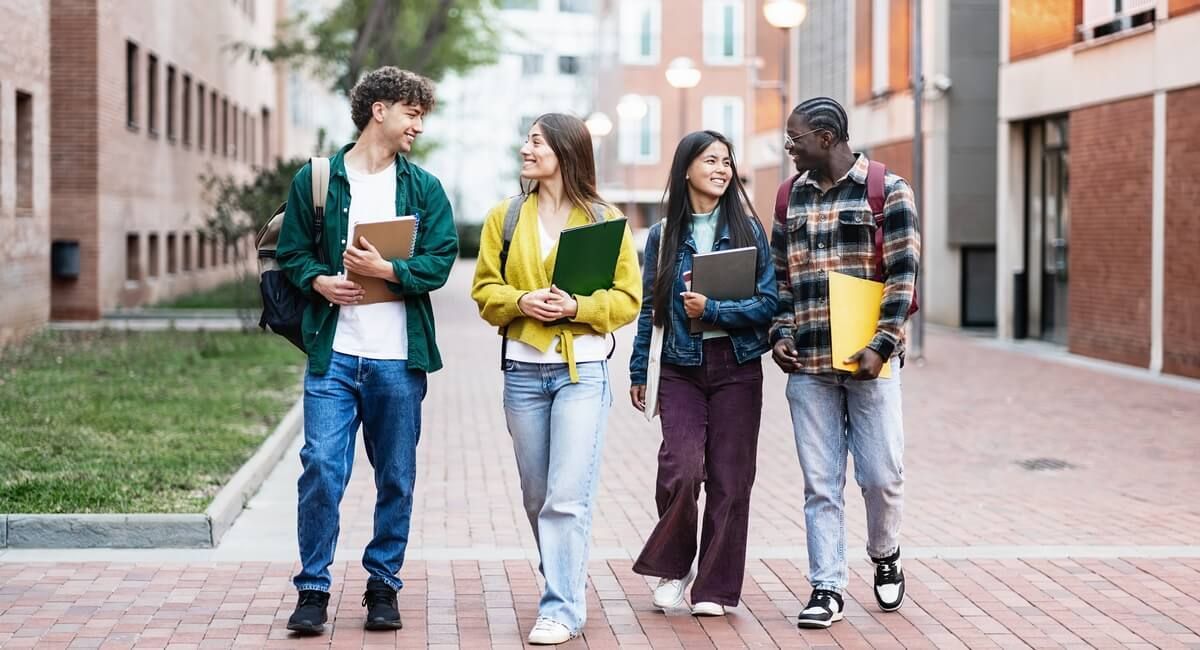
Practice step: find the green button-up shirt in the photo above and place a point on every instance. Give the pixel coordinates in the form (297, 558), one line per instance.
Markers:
(418, 193)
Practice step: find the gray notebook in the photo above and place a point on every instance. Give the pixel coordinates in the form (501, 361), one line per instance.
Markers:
(724, 275)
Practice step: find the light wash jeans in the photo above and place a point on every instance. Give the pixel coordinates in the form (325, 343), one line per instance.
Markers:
(385, 397)
(833, 414)
(558, 435)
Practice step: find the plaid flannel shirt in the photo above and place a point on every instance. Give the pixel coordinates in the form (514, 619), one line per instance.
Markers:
(835, 231)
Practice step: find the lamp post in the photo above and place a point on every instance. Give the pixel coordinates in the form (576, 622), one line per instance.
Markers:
(631, 109)
(785, 15)
(599, 125)
(682, 73)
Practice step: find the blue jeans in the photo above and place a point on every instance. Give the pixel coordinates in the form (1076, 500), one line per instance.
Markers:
(384, 396)
(558, 434)
(833, 414)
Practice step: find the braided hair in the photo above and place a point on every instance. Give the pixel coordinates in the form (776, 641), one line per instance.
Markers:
(826, 114)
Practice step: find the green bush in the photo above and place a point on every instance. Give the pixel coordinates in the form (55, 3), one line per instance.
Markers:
(468, 239)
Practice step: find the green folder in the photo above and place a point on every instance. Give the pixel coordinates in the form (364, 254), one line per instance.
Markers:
(587, 257)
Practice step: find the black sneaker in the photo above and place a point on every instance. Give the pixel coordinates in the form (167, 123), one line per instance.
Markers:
(310, 614)
(889, 582)
(824, 608)
(380, 601)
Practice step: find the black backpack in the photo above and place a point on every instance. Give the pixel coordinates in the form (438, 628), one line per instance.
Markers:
(283, 303)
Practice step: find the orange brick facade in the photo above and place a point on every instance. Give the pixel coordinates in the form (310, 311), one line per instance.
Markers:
(1181, 307)
(1039, 26)
(1110, 198)
(129, 190)
(896, 155)
(24, 168)
(1177, 7)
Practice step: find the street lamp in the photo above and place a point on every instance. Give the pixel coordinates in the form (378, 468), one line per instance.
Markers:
(598, 124)
(682, 73)
(632, 107)
(785, 15)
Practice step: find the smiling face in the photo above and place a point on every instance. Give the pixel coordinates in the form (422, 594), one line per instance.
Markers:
(710, 173)
(399, 123)
(538, 160)
(809, 147)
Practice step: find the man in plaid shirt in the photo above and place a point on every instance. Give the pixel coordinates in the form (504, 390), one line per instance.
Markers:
(829, 226)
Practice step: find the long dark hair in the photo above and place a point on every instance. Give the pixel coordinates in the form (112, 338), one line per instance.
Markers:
(571, 143)
(736, 211)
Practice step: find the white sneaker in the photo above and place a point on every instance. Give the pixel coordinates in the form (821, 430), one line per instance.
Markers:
(547, 631)
(704, 608)
(669, 593)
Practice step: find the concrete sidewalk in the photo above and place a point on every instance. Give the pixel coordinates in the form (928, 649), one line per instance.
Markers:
(1047, 505)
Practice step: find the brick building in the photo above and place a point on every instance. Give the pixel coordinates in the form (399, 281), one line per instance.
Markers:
(638, 39)
(24, 167)
(1098, 206)
(147, 97)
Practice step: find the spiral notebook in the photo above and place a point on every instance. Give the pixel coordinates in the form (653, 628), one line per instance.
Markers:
(395, 238)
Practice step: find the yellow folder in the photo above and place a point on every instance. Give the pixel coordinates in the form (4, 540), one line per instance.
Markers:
(853, 317)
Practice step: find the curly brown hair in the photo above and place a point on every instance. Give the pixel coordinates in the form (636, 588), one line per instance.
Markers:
(388, 84)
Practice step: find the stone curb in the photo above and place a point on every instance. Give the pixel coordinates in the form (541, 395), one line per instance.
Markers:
(157, 530)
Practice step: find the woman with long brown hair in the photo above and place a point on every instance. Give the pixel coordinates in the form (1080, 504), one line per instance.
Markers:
(556, 383)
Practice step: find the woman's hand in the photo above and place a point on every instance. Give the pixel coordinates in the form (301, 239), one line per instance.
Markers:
(637, 395)
(542, 305)
(566, 302)
(693, 303)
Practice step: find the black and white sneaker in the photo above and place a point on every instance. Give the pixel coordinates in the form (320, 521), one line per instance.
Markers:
(824, 609)
(889, 582)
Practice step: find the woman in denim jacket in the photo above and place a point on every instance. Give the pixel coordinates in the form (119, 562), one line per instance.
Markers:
(710, 397)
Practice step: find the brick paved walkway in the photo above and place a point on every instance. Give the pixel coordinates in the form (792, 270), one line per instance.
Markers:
(1102, 553)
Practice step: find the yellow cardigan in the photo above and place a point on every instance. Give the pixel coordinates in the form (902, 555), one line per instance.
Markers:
(602, 312)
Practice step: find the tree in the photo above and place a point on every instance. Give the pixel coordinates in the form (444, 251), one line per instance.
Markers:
(430, 37)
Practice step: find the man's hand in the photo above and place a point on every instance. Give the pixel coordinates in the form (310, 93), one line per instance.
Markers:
(785, 356)
(870, 363)
(637, 395)
(338, 290)
(542, 305)
(566, 303)
(365, 260)
(693, 303)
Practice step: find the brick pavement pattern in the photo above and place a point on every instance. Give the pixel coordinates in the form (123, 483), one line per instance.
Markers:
(1101, 552)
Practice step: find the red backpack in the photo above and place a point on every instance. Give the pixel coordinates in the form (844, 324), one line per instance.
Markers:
(876, 171)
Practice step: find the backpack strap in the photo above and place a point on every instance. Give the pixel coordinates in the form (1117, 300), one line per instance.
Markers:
(782, 196)
(876, 173)
(511, 217)
(320, 190)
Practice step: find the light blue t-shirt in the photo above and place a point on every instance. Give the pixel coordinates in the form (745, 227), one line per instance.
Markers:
(704, 233)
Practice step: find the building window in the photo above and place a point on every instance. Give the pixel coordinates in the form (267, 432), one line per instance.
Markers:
(1104, 17)
(575, 6)
(172, 254)
(250, 142)
(531, 5)
(641, 26)
(524, 126)
(568, 65)
(152, 95)
(170, 102)
(245, 149)
(131, 62)
(234, 130)
(213, 125)
(531, 64)
(225, 127)
(725, 115)
(266, 136)
(133, 256)
(187, 252)
(186, 104)
(225, 246)
(880, 25)
(201, 250)
(152, 253)
(24, 153)
(200, 116)
(723, 31)
(639, 139)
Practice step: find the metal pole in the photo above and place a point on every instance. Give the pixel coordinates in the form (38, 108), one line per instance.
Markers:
(918, 171)
(783, 101)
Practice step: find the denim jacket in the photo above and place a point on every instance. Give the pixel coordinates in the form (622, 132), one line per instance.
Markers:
(746, 321)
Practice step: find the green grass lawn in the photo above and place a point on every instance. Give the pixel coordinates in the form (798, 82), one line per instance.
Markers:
(241, 293)
(136, 422)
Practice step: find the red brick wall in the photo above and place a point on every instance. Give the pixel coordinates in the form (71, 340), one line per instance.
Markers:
(1176, 7)
(24, 216)
(896, 155)
(1181, 291)
(1109, 259)
(1040, 26)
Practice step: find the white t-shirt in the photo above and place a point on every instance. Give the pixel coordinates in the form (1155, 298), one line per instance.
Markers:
(378, 331)
(588, 347)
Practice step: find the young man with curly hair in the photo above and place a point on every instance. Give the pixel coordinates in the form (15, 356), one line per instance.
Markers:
(367, 363)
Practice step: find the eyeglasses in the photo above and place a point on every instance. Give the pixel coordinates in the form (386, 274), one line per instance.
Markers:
(789, 141)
